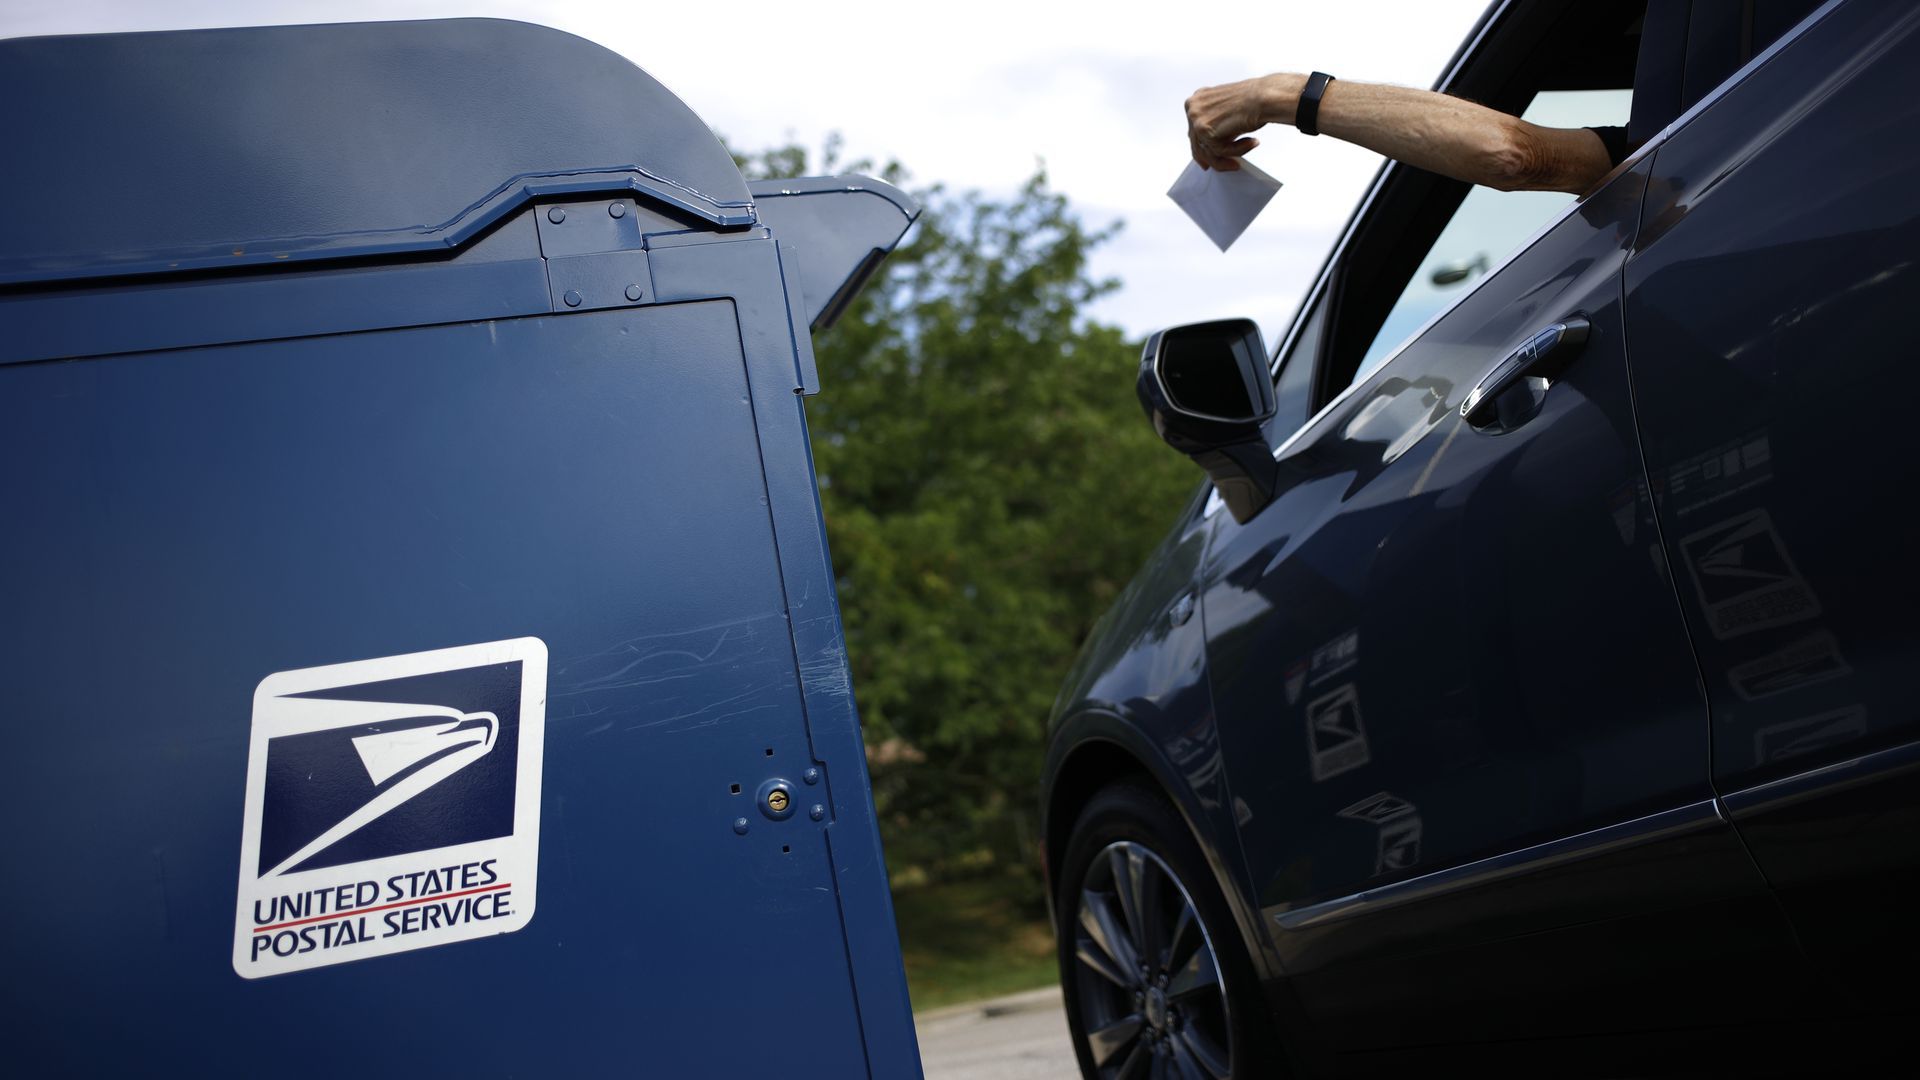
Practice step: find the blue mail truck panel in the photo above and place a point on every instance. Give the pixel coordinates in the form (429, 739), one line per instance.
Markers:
(420, 645)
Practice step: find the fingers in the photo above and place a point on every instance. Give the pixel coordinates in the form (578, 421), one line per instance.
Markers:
(1207, 156)
(1195, 133)
(1218, 119)
(1225, 158)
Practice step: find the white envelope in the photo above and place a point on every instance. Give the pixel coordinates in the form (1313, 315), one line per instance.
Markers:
(1223, 204)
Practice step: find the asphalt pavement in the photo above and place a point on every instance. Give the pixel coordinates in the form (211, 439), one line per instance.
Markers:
(1018, 1037)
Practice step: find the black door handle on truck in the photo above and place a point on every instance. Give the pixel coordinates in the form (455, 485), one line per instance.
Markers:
(1510, 394)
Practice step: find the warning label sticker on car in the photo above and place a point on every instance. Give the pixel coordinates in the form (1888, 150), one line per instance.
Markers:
(391, 804)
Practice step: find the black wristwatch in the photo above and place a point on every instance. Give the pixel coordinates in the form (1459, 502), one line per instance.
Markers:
(1306, 115)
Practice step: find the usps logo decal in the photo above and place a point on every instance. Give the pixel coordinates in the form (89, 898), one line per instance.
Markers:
(392, 804)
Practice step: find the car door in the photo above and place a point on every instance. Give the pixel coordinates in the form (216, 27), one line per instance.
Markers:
(1454, 687)
(1767, 300)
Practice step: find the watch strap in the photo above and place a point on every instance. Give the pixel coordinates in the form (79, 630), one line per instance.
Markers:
(1306, 115)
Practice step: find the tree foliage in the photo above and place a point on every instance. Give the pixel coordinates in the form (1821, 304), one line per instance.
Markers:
(989, 485)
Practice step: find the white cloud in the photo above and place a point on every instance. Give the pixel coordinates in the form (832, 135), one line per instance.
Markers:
(974, 95)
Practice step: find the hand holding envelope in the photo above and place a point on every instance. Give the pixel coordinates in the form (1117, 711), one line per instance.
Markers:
(1223, 204)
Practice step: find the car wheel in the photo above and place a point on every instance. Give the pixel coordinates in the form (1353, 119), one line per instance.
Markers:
(1156, 982)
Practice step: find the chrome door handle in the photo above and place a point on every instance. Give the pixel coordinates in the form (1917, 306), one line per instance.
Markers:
(1490, 408)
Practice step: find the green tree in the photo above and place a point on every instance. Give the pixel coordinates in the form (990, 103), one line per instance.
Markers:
(989, 486)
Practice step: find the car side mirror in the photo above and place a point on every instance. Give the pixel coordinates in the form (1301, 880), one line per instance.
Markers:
(1207, 390)
(1456, 273)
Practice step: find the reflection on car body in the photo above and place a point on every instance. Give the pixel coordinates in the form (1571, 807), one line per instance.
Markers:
(1399, 830)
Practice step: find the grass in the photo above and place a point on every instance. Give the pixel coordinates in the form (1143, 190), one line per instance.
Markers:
(968, 940)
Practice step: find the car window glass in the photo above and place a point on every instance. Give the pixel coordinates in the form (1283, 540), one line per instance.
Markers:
(1488, 226)
(1293, 390)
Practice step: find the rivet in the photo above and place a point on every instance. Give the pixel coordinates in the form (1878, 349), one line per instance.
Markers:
(817, 812)
(572, 298)
(740, 825)
(633, 291)
(618, 209)
(556, 215)
(811, 776)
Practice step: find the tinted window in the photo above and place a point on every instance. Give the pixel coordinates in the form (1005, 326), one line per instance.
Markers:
(1293, 391)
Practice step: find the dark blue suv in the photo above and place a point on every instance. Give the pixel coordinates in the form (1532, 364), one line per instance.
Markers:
(1534, 673)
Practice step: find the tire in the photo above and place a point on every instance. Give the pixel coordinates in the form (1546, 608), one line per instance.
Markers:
(1193, 1008)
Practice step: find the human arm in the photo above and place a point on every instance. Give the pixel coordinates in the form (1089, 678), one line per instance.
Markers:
(1437, 132)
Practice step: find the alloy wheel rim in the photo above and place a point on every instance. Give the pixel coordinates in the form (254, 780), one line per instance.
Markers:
(1151, 999)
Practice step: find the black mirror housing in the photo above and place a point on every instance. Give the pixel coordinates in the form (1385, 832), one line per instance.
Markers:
(1207, 390)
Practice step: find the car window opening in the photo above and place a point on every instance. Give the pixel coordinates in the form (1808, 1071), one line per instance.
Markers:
(1428, 240)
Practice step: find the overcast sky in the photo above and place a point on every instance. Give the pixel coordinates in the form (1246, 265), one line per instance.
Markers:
(975, 94)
